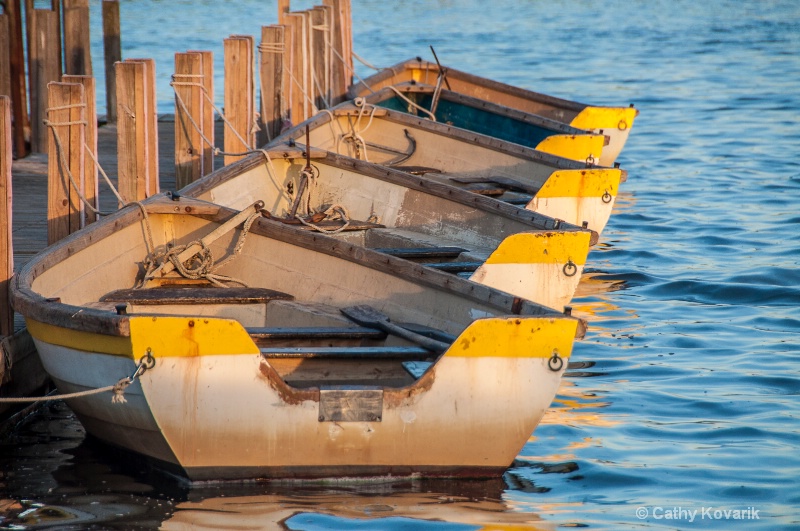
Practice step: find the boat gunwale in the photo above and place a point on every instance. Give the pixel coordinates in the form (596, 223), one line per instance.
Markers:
(38, 307)
(361, 88)
(504, 146)
(528, 118)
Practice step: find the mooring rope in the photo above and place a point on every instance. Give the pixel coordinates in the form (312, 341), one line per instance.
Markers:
(118, 388)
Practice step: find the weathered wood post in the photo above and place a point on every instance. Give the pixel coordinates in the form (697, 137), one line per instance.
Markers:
(298, 68)
(44, 68)
(189, 103)
(320, 17)
(89, 183)
(77, 44)
(5, 55)
(239, 96)
(151, 184)
(112, 53)
(272, 53)
(133, 163)
(65, 153)
(342, 62)
(19, 92)
(6, 243)
(207, 121)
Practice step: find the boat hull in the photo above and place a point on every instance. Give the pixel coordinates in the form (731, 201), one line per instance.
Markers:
(222, 414)
(613, 122)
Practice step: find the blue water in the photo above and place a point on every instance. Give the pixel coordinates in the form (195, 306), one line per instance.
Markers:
(686, 407)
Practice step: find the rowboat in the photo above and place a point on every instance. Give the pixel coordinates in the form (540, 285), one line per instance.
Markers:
(550, 185)
(488, 118)
(243, 347)
(503, 246)
(613, 122)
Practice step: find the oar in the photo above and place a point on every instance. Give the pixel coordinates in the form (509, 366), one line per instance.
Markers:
(368, 316)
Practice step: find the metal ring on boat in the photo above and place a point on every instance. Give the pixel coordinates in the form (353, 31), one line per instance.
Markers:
(590, 160)
(622, 125)
(606, 197)
(570, 269)
(556, 362)
(147, 361)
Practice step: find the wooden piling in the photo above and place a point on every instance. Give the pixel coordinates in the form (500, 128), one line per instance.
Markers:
(298, 67)
(133, 164)
(77, 44)
(66, 148)
(239, 96)
(56, 7)
(19, 92)
(271, 58)
(320, 18)
(151, 182)
(342, 63)
(112, 53)
(89, 182)
(207, 120)
(188, 118)
(6, 243)
(5, 55)
(45, 68)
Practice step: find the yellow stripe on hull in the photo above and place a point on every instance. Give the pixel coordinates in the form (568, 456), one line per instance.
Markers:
(190, 336)
(515, 338)
(543, 248)
(575, 147)
(79, 340)
(615, 122)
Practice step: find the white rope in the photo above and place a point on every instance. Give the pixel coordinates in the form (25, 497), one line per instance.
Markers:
(363, 62)
(423, 109)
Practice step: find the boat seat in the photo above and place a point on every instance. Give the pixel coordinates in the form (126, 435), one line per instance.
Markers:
(524, 200)
(455, 267)
(316, 332)
(337, 224)
(411, 253)
(195, 295)
(505, 182)
(485, 189)
(410, 353)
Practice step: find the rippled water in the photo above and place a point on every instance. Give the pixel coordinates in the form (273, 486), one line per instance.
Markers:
(685, 408)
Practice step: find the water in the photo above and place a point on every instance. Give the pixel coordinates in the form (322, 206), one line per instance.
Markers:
(686, 407)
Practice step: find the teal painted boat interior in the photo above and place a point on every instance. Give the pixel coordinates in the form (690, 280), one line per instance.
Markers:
(474, 119)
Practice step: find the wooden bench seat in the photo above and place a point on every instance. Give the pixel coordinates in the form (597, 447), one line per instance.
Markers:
(411, 253)
(505, 182)
(455, 267)
(411, 353)
(316, 332)
(195, 295)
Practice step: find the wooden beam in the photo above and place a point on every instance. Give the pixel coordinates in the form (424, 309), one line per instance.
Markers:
(298, 68)
(6, 241)
(239, 95)
(45, 68)
(65, 154)
(272, 53)
(132, 132)
(151, 183)
(77, 44)
(89, 182)
(112, 53)
(188, 141)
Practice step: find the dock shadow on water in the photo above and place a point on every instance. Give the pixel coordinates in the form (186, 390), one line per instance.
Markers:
(62, 479)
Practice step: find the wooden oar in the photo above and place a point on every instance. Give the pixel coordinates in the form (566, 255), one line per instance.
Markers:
(368, 316)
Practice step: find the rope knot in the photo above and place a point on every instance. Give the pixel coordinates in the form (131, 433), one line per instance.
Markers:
(119, 390)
